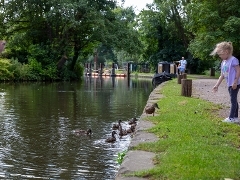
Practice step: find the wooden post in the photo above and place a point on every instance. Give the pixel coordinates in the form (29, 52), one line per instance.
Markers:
(100, 71)
(128, 70)
(90, 69)
(86, 68)
(186, 87)
(179, 77)
(113, 70)
(184, 76)
(212, 71)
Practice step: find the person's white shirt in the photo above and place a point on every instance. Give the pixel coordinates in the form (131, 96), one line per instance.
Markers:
(183, 63)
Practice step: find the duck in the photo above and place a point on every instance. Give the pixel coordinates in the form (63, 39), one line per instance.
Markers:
(131, 129)
(133, 126)
(116, 126)
(151, 109)
(132, 121)
(83, 132)
(112, 138)
(122, 132)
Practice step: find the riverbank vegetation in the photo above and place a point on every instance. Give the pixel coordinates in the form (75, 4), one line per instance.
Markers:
(193, 142)
(54, 40)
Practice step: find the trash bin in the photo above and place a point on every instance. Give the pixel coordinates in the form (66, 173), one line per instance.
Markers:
(167, 67)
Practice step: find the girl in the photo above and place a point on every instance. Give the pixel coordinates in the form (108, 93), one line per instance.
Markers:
(230, 72)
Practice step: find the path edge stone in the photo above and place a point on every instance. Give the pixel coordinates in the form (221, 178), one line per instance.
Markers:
(136, 160)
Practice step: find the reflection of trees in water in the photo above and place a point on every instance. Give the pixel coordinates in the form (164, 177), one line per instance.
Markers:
(44, 114)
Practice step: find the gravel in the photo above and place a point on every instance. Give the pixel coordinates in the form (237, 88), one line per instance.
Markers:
(202, 88)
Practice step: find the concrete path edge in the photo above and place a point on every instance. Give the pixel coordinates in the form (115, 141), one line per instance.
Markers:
(136, 160)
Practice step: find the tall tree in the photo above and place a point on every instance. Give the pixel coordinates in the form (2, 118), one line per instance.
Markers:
(65, 28)
(161, 40)
(212, 22)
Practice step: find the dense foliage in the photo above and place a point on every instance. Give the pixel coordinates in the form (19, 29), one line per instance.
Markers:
(190, 28)
(55, 37)
(52, 40)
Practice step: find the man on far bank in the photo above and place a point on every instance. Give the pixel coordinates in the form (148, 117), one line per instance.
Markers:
(182, 65)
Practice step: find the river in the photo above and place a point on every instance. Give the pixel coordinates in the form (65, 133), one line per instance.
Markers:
(37, 122)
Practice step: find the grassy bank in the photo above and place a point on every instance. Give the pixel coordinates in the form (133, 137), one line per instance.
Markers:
(194, 143)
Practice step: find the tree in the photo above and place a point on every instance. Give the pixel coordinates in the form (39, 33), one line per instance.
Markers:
(71, 28)
(212, 22)
(160, 39)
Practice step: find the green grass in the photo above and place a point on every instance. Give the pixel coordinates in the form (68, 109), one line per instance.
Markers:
(193, 142)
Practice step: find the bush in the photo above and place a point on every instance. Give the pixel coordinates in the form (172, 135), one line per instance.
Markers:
(20, 71)
(35, 69)
(50, 73)
(5, 74)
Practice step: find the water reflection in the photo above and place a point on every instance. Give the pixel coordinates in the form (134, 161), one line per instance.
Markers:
(37, 119)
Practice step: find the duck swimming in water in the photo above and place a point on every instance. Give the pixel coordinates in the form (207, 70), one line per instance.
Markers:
(112, 138)
(116, 126)
(83, 132)
(151, 109)
(132, 121)
(131, 129)
(122, 132)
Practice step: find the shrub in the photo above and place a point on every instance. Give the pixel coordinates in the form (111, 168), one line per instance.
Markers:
(20, 71)
(5, 74)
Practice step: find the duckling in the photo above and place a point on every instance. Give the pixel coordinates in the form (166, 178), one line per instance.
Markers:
(112, 138)
(116, 126)
(132, 121)
(151, 109)
(82, 132)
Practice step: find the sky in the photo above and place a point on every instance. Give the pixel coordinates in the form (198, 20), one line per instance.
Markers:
(138, 4)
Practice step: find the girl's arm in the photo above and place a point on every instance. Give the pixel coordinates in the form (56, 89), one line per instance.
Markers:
(235, 82)
(220, 79)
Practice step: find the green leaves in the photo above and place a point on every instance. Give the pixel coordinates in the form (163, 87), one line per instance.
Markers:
(121, 156)
(212, 22)
(47, 30)
(5, 74)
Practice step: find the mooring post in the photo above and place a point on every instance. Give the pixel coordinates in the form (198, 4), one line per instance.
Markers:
(100, 71)
(212, 71)
(186, 87)
(128, 70)
(184, 75)
(179, 78)
(113, 70)
(90, 69)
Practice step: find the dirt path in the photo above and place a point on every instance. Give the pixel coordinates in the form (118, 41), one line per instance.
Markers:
(202, 88)
(142, 160)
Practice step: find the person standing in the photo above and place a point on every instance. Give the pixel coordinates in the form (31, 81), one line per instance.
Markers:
(230, 72)
(182, 65)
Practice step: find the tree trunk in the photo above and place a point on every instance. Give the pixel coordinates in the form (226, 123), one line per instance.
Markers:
(75, 56)
(61, 62)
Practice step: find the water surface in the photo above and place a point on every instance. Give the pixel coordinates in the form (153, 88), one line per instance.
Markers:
(37, 120)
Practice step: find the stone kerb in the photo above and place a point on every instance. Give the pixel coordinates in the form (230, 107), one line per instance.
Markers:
(136, 160)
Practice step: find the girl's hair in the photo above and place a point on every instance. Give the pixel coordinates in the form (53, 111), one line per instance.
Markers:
(221, 47)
